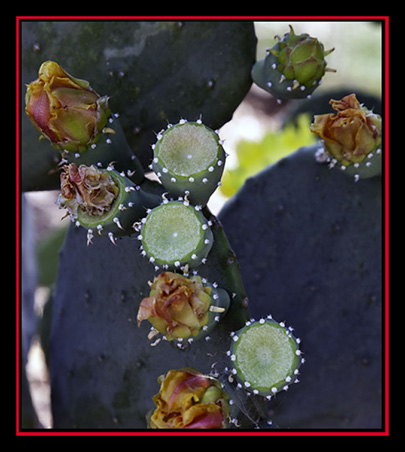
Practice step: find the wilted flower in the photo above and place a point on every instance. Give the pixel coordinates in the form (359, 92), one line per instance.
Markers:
(88, 187)
(188, 399)
(350, 134)
(66, 110)
(177, 307)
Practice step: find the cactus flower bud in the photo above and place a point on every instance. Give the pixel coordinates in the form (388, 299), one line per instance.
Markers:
(189, 399)
(66, 110)
(179, 307)
(351, 136)
(293, 68)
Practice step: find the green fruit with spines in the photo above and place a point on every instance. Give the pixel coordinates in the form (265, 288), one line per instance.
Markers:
(176, 234)
(189, 160)
(265, 357)
(293, 68)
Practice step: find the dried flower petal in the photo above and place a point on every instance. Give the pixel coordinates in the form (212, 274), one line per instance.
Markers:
(350, 134)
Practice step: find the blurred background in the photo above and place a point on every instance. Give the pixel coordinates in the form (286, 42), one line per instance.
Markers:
(260, 132)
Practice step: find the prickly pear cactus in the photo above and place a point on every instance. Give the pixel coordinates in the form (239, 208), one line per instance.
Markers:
(154, 73)
(162, 316)
(293, 68)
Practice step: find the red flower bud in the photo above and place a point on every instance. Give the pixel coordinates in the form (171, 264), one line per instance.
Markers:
(66, 110)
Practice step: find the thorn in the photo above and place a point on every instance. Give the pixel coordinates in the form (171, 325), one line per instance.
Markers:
(99, 229)
(89, 236)
(219, 310)
(117, 222)
(111, 237)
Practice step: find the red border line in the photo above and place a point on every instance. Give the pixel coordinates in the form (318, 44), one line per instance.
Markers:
(384, 432)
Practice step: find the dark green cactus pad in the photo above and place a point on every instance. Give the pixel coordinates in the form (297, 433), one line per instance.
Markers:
(104, 369)
(154, 72)
(314, 261)
(309, 242)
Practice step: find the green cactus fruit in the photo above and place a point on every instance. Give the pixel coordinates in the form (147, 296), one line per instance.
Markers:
(189, 159)
(182, 308)
(265, 357)
(175, 234)
(293, 68)
(103, 201)
(352, 138)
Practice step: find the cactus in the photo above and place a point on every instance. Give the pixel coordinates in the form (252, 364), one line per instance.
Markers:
(188, 399)
(351, 138)
(103, 200)
(120, 60)
(176, 234)
(293, 68)
(77, 121)
(265, 356)
(216, 367)
(189, 159)
(183, 308)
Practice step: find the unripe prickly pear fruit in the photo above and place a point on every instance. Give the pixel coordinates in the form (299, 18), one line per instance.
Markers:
(293, 68)
(181, 307)
(352, 137)
(188, 399)
(265, 357)
(176, 234)
(103, 201)
(189, 159)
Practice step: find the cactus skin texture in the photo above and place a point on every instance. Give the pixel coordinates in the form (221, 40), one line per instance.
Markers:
(316, 260)
(189, 159)
(293, 68)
